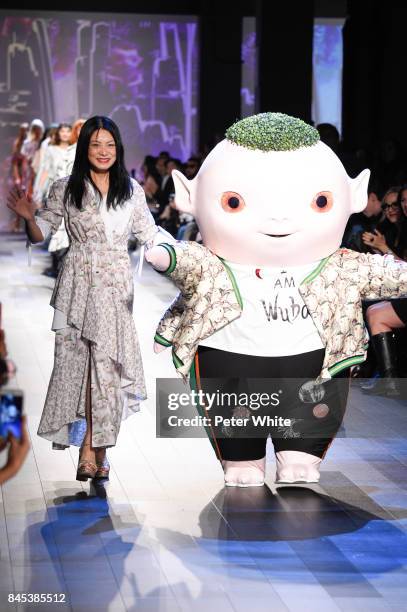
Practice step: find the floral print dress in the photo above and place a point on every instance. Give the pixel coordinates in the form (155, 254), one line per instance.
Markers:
(93, 296)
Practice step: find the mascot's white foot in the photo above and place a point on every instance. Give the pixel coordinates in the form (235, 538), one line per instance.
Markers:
(296, 466)
(244, 473)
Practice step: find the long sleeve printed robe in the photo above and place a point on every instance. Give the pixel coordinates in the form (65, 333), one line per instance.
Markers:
(93, 301)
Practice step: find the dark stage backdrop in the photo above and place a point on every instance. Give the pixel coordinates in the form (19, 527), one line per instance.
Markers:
(140, 70)
(327, 70)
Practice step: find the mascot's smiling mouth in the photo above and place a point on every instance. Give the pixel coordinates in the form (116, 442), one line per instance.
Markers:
(278, 235)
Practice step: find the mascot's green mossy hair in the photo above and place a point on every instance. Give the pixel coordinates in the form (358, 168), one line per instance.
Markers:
(272, 132)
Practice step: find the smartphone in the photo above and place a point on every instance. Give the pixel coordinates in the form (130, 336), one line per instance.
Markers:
(11, 410)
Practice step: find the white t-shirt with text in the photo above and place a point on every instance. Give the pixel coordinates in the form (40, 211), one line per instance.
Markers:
(275, 321)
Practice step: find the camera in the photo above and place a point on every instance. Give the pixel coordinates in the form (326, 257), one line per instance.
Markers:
(11, 410)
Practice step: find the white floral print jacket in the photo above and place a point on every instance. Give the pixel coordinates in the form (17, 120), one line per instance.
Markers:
(209, 299)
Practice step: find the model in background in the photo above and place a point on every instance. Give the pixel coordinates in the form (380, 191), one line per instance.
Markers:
(17, 168)
(70, 152)
(28, 151)
(53, 167)
(49, 170)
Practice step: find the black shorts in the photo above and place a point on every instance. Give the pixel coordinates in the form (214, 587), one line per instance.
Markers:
(316, 421)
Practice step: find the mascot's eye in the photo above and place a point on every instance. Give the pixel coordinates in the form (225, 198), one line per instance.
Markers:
(322, 202)
(232, 202)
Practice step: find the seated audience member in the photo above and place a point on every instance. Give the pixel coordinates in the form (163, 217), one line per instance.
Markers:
(365, 221)
(160, 165)
(383, 319)
(151, 183)
(169, 216)
(167, 184)
(390, 235)
(386, 316)
(191, 167)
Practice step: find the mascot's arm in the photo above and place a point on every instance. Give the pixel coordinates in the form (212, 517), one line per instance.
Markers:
(182, 263)
(169, 324)
(384, 277)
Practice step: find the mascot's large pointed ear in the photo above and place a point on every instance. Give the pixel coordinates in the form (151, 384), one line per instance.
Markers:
(359, 195)
(183, 200)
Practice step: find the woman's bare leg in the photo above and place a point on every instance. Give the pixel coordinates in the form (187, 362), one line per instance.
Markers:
(88, 452)
(382, 318)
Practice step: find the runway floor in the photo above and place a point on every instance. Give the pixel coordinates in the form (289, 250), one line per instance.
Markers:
(166, 535)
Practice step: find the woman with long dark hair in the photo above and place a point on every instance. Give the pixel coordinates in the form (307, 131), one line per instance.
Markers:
(97, 377)
(385, 317)
(390, 236)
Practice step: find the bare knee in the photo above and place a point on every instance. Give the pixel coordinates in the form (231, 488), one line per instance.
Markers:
(380, 318)
(373, 313)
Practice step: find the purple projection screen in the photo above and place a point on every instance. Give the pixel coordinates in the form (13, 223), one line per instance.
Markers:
(140, 70)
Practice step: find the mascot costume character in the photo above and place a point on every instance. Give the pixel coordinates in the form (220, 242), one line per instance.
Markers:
(270, 294)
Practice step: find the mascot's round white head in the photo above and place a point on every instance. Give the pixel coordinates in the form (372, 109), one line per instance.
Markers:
(271, 194)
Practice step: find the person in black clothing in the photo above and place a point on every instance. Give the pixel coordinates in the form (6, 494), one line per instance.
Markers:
(169, 216)
(167, 184)
(365, 221)
(386, 316)
(191, 167)
(151, 184)
(389, 238)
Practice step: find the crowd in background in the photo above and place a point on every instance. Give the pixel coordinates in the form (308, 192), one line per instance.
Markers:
(41, 156)
(160, 192)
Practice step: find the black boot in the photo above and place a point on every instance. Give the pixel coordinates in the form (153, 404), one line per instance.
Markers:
(385, 350)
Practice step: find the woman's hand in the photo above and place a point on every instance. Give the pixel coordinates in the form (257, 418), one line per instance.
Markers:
(19, 203)
(17, 453)
(375, 240)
